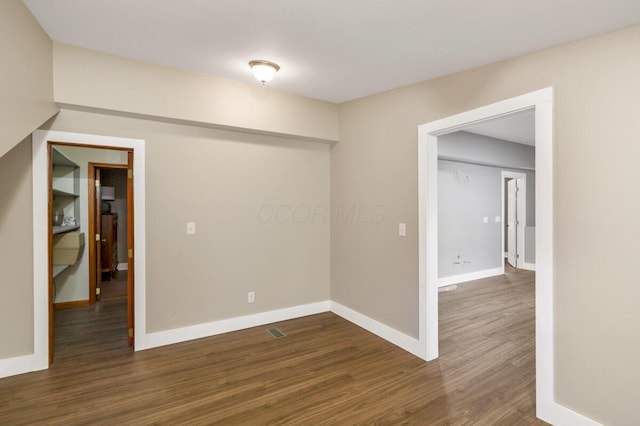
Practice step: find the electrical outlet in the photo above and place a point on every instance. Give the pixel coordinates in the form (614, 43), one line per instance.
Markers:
(251, 297)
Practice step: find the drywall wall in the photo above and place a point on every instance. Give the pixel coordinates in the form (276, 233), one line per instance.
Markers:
(26, 80)
(466, 194)
(72, 284)
(596, 87)
(530, 245)
(483, 150)
(16, 252)
(469, 189)
(26, 85)
(479, 149)
(261, 208)
(86, 78)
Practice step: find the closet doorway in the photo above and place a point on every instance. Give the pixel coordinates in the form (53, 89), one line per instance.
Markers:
(101, 189)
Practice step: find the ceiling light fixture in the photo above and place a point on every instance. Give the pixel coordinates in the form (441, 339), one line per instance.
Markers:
(264, 71)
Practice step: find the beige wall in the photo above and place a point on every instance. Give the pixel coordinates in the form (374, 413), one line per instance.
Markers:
(26, 101)
(16, 252)
(91, 79)
(258, 204)
(597, 93)
(26, 81)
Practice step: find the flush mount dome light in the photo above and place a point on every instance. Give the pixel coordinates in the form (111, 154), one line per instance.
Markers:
(264, 71)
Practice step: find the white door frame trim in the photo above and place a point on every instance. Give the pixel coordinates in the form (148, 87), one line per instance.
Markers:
(542, 102)
(40, 165)
(520, 244)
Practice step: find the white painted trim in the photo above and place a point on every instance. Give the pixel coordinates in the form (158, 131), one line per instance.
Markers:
(461, 278)
(520, 231)
(40, 167)
(408, 343)
(177, 335)
(528, 266)
(123, 266)
(561, 415)
(19, 365)
(542, 102)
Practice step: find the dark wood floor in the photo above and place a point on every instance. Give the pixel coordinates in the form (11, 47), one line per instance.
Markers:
(326, 371)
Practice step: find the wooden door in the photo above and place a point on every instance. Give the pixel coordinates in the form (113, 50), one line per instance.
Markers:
(98, 229)
(108, 235)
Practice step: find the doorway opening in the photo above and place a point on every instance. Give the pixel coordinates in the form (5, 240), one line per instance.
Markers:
(541, 102)
(108, 222)
(42, 217)
(80, 206)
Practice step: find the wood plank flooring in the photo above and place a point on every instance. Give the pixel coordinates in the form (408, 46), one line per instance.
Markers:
(326, 371)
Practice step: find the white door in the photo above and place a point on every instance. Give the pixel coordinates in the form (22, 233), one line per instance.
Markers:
(512, 222)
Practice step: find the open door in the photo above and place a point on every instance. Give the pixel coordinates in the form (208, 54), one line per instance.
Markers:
(516, 219)
(130, 263)
(97, 219)
(512, 223)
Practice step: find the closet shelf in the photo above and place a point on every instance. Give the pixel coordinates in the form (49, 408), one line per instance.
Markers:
(60, 193)
(63, 229)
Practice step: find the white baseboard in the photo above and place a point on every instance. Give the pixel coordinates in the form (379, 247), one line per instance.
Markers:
(19, 365)
(556, 414)
(528, 266)
(177, 335)
(461, 278)
(389, 334)
(123, 266)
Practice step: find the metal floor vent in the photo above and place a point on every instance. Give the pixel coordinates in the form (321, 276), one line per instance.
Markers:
(276, 333)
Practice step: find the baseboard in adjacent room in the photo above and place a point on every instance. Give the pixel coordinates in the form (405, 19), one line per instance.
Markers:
(461, 278)
(72, 304)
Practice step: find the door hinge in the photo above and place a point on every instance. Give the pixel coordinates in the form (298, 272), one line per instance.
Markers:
(97, 237)
(130, 173)
(97, 291)
(97, 183)
(131, 333)
(130, 253)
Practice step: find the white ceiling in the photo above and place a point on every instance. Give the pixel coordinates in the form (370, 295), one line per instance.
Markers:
(335, 50)
(518, 127)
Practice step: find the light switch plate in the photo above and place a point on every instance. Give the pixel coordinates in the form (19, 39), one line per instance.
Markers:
(498, 219)
(191, 228)
(485, 219)
(402, 229)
